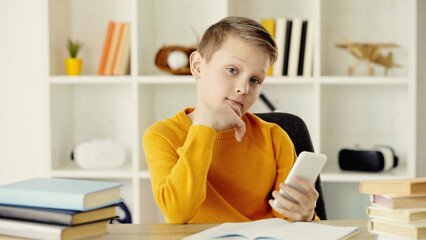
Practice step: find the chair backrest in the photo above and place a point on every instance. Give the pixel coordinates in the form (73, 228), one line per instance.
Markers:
(299, 134)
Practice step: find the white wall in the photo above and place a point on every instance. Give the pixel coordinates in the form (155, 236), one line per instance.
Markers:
(23, 108)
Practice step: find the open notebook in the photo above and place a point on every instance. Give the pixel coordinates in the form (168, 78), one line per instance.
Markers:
(275, 228)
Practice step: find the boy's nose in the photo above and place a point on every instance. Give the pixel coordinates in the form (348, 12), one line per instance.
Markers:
(242, 88)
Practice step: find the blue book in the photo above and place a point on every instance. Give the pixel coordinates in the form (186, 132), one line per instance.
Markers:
(70, 194)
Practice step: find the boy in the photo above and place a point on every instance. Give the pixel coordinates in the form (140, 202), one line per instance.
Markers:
(218, 163)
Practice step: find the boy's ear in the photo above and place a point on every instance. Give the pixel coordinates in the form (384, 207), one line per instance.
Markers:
(195, 62)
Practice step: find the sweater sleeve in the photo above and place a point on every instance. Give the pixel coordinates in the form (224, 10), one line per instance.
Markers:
(179, 173)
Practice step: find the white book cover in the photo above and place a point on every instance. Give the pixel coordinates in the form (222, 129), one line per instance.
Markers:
(30, 229)
(34, 230)
(309, 50)
(280, 30)
(293, 59)
(275, 228)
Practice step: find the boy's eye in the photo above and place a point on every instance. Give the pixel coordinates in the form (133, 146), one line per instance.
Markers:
(232, 70)
(254, 80)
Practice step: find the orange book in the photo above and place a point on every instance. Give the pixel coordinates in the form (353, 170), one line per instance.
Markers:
(112, 53)
(105, 50)
(269, 24)
(123, 51)
(401, 187)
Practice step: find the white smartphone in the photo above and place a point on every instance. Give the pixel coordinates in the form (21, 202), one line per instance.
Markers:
(308, 166)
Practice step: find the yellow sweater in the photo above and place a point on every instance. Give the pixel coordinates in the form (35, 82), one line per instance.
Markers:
(199, 175)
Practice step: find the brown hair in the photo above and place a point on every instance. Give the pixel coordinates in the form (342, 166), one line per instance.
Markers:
(242, 27)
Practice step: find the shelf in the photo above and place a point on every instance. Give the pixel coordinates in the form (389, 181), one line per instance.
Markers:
(90, 80)
(332, 173)
(352, 80)
(166, 79)
(188, 79)
(272, 80)
(72, 170)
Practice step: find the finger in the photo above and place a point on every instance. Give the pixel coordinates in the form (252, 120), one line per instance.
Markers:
(240, 130)
(305, 202)
(308, 188)
(284, 202)
(293, 215)
(293, 192)
(236, 109)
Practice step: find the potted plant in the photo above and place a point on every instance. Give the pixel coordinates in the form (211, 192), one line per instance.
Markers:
(73, 64)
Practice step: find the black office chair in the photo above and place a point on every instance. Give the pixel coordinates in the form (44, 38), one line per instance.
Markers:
(299, 134)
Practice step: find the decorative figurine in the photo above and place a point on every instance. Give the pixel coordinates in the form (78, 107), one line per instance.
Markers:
(370, 53)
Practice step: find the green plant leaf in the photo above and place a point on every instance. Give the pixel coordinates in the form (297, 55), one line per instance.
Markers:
(73, 48)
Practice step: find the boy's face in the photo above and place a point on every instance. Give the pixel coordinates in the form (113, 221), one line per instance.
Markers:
(233, 75)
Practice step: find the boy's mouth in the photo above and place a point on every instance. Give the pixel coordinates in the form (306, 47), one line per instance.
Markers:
(235, 102)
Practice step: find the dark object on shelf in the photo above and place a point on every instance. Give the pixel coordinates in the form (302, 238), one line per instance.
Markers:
(369, 159)
(267, 102)
(163, 57)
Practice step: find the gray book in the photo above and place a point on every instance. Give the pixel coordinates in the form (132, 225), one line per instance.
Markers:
(56, 216)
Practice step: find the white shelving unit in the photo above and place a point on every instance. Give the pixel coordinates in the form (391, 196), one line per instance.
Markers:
(339, 110)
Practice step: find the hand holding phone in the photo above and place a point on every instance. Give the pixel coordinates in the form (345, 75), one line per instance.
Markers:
(308, 166)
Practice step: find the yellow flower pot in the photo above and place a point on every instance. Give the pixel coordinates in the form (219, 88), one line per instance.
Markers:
(73, 66)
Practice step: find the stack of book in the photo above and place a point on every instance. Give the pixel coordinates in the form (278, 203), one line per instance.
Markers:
(294, 39)
(54, 208)
(398, 209)
(115, 59)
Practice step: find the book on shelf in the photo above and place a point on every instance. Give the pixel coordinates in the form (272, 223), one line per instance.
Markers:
(33, 230)
(401, 187)
(105, 50)
(309, 49)
(294, 39)
(269, 24)
(302, 48)
(293, 59)
(412, 215)
(280, 31)
(411, 231)
(398, 202)
(112, 51)
(122, 60)
(70, 194)
(287, 46)
(275, 228)
(56, 216)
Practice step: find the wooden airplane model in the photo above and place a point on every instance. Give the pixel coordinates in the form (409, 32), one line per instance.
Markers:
(370, 53)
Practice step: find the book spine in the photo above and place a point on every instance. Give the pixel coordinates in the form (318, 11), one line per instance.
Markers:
(287, 47)
(296, 32)
(309, 50)
(269, 24)
(120, 49)
(280, 31)
(302, 49)
(124, 67)
(105, 50)
(112, 53)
